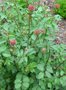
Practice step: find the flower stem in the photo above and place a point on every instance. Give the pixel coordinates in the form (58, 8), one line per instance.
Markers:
(29, 28)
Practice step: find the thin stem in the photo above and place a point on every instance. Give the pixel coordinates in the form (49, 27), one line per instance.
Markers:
(60, 64)
(30, 18)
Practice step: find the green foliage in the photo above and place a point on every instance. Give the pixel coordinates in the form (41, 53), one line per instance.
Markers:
(23, 3)
(36, 61)
(62, 10)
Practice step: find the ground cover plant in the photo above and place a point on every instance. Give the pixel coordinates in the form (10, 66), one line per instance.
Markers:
(31, 57)
(60, 8)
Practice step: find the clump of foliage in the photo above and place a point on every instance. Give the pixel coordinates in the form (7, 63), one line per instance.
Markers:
(61, 10)
(23, 3)
(31, 57)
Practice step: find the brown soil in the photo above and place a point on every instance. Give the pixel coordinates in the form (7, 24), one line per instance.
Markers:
(62, 30)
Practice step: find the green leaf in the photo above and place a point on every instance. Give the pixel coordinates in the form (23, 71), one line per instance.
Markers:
(49, 69)
(38, 88)
(58, 17)
(34, 88)
(25, 84)
(2, 16)
(61, 72)
(40, 75)
(17, 86)
(25, 79)
(57, 81)
(48, 74)
(31, 67)
(6, 54)
(2, 41)
(40, 9)
(49, 85)
(33, 37)
(31, 51)
(18, 81)
(40, 67)
(6, 26)
(63, 81)
(42, 84)
(3, 48)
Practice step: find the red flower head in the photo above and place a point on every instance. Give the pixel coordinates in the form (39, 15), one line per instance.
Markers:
(12, 42)
(31, 7)
(57, 6)
(39, 31)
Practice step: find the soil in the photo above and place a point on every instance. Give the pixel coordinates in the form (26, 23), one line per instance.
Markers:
(62, 31)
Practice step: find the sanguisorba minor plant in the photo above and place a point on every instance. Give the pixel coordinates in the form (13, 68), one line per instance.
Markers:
(31, 57)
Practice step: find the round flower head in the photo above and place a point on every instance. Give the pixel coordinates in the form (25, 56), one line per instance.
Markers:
(12, 42)
(31, 7)
(57, 6)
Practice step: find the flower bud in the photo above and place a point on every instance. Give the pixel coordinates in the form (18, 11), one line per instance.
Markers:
(36, 32)
(12, 42)
(57, 6)
(31, 7)
(43, 50)
(39, 31)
